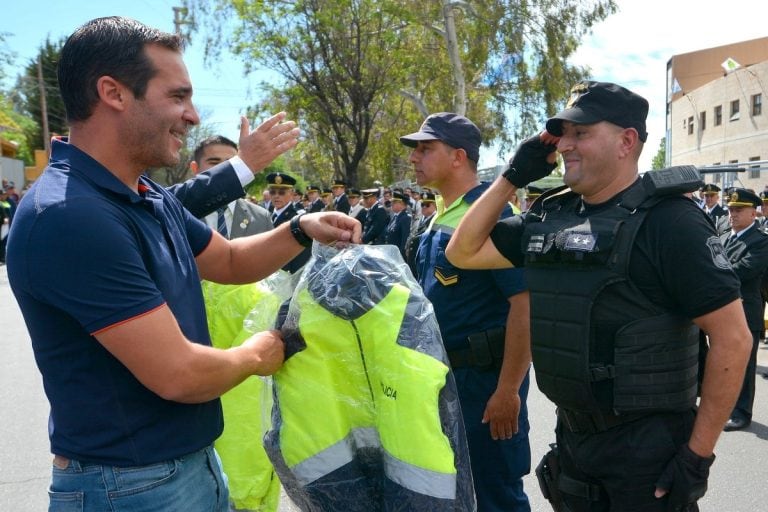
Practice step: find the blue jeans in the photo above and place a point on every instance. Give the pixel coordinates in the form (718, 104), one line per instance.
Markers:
(190, 483)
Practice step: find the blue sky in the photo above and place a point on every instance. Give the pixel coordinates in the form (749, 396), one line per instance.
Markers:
(631, 47)
(221, 91)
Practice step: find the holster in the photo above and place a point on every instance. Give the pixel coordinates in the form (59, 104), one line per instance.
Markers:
(547, 473)
(554, 483)
(485, 351)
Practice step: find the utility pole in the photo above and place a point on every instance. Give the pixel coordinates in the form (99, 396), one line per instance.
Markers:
(43, 106)
(180, 18)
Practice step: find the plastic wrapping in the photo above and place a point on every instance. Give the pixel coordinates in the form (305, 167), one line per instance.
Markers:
(235, 312)
(366, 415)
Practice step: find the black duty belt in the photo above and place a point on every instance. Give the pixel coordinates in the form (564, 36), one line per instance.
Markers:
(590, 423)
(485, 351)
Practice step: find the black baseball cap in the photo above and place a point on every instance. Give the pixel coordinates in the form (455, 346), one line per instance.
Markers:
(592, 102)
(453, 129)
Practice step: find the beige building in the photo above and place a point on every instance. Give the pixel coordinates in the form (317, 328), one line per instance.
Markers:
(715, 112)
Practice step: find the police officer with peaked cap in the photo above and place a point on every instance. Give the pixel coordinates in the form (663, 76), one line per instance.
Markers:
(746, 247)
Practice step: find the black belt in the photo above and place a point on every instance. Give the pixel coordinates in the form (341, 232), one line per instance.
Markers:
(486, 351)
(590, 423)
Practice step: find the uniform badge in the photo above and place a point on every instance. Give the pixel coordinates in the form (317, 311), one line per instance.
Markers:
(719, 258)
(584, 242)
(535, 243)
(445, 280)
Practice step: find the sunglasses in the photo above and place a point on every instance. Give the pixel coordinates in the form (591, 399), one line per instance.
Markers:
(278, 191)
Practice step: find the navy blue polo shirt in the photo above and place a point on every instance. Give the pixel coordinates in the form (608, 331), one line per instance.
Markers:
(466, 301)
(86, 253)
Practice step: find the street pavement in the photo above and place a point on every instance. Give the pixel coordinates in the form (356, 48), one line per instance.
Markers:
(738, 482)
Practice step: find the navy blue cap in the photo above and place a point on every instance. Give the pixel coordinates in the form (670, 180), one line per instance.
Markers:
(281, 180)
(453, 129)
(743, 197)
(592, 102)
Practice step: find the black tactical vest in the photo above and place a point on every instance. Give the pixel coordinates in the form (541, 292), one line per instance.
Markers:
(599, 345)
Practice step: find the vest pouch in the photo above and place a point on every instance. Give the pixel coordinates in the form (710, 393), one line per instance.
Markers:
(655, 365)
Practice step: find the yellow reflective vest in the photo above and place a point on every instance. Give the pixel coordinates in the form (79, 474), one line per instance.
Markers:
(365, 414)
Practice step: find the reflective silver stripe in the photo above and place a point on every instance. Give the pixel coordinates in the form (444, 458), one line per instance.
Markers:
(416, 479)
(420, 480)
(335, 456)
(444, 228)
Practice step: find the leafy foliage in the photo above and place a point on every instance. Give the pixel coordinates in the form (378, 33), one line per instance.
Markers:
(26, 95)
(660, 159)
(359, 73)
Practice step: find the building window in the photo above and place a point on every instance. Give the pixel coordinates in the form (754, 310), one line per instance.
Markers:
(754, 170)
(757, 104)
(702, 121)
(690, 125)
(718, 115)
(734, 110)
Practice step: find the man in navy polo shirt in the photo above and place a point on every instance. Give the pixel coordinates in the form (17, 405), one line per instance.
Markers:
(106, 271)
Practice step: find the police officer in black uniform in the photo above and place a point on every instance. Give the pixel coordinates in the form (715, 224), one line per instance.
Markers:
(340, 199)
(428, 209)
(614, 266)
(746, 246)
(376, 218)
(281, 186)
(712, 207)
(315, 203)
(399, 226)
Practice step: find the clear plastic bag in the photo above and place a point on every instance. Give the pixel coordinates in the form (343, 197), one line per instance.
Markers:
(366, 415)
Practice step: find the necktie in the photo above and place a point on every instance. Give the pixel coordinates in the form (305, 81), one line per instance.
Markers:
(274, 218)
(221, 222)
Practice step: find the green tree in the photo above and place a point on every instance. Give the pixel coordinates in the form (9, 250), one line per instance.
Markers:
(659, 161)
(359, 73)
(26, 96)
(15, 127)
(337, 57)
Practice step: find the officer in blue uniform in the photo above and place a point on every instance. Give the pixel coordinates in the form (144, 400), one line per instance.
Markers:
(482, 315)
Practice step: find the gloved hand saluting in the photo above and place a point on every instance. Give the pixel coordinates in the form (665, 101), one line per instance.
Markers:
(533, 160)
(684, 479)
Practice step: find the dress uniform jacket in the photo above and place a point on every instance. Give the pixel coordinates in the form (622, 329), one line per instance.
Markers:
(376, 221)
(249, 219)
(296, 263)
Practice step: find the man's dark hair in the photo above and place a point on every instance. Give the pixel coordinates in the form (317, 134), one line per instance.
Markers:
(211, 141)
(111, 46)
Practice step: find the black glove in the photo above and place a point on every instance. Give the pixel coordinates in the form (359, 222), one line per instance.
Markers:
(529, 163)
(685, 478)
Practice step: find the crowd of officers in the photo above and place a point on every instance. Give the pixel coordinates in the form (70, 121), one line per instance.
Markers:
(393, 216)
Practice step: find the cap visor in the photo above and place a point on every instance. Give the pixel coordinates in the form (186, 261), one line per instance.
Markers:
(413, 139)
(573, 115)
